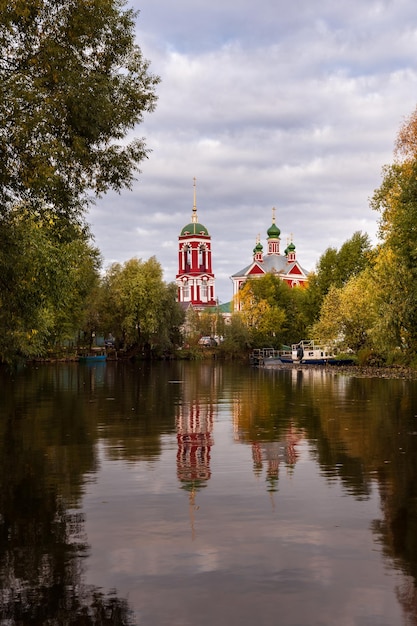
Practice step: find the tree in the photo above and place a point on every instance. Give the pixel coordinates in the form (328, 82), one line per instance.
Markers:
(46, 275)
(396, 200)
(349, 314)
(273, 311)
(236, 337)
(388, 332)
(74, 83)
(336, 267)
(138, 307)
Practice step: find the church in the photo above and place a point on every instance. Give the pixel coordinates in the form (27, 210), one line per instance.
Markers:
(195, 279)
(285, 266)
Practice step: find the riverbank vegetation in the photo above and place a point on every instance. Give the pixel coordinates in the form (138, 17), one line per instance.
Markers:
(363, 299)
(59, 64)
(74, 84)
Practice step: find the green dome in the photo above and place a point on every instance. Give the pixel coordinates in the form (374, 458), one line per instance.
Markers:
(291, 247)
(258, 248)
(273, 232)
(194, 228)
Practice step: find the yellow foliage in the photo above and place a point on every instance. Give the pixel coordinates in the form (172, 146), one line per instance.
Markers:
(406, 142)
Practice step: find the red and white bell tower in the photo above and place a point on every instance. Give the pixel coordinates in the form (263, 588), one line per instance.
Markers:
(195, 279)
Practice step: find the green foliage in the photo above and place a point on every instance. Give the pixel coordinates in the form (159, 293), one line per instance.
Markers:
(396, 200)
(273, 312)
(45, 275)
(74, 83)
(335, 268)
(370, 358)
(349, 314)
(236, 338)
(138, 308)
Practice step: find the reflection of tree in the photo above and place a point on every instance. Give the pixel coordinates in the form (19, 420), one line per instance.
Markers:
(62, 605)
(46, 448)
(361, 433)
(365, 435)
(397, 530)
(143, 410)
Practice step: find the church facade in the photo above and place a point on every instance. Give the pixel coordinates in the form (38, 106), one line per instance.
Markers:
(285, 266)
(195, 278)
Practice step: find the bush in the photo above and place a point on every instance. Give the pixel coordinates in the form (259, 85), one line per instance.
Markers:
(369, 357)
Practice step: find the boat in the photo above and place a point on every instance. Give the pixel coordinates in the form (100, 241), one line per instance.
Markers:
(306, 352)
(268, 357)
(313, 353)
(95, 357)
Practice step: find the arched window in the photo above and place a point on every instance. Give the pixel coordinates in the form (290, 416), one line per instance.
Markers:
(202, 257)
(187, 258)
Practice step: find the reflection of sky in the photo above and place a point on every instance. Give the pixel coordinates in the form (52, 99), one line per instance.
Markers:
(309, 552)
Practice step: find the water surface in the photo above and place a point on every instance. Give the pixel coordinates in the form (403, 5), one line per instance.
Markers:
(193, 494)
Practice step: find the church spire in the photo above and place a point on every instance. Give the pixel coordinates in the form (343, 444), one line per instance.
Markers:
(194, 218)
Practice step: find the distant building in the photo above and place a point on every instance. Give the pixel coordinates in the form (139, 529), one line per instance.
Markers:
(195, 279)
(285, 266)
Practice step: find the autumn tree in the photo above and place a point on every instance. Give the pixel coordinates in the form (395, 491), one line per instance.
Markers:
(335, 267)
(349, 314)
(272, 311)
(396, 201)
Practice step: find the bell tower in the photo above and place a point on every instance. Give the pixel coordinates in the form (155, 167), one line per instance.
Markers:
(195, 279)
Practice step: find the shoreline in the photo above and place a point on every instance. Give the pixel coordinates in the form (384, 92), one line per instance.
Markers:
(357, 371)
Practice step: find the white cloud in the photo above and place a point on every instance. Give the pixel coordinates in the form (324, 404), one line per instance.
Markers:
(290, 105)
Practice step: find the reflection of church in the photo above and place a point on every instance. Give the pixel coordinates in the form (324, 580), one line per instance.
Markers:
(194, 421)
(194, 437)
(269, 455)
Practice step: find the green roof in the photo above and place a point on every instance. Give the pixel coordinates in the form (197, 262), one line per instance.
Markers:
(226, 307)
(194, 228)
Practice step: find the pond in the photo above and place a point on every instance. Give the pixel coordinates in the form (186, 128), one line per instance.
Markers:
(194, 494)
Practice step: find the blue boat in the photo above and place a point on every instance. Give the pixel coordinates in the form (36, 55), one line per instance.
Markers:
(92, 358)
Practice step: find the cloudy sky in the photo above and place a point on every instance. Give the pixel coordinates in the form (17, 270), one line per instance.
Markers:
(293, 105)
